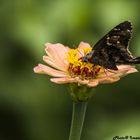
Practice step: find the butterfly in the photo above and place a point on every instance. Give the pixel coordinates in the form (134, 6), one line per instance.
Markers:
(112, 49)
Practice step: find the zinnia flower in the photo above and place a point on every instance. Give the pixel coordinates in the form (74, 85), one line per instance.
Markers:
(66, 66)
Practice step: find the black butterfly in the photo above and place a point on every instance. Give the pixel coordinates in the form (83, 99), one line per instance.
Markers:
(112, 49)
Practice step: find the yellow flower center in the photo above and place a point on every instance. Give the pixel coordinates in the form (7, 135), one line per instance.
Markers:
(78, 68)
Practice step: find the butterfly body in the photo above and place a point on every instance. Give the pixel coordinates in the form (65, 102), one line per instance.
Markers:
(112, 49)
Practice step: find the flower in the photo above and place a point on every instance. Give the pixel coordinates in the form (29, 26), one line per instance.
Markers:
(66, 66)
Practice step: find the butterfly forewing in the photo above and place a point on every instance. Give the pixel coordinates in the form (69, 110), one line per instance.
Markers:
(112, 49)
(121, 32)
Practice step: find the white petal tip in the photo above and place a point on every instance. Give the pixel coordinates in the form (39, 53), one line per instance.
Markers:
(37, 69)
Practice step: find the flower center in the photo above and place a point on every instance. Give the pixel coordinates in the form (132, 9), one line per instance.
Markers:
(78, 68)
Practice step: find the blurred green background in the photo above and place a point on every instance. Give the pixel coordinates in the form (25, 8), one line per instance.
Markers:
(33, 108)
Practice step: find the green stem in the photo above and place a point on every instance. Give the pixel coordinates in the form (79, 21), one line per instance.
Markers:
(78, 116)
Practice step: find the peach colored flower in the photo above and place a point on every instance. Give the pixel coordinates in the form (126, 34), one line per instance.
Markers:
(66, 66)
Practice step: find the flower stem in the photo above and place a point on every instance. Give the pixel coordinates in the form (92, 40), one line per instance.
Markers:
(78, 116)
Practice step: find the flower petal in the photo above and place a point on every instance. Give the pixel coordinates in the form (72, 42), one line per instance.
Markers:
(52, 63)
(120, 67)
(108, 80)
(125, 69)
(58, 53)
(93, 83)
(122, 71)
(83, 82)
(132, 70)
(113, 76)
(63, 80)
(81, 48)
(42, 69)
(84, 45)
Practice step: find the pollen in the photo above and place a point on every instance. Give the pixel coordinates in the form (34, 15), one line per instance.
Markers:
(78, 68)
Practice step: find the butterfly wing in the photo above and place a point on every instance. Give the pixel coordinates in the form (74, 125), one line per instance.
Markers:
(112, 49)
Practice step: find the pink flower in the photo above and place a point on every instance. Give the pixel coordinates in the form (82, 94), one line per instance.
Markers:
(65, 66)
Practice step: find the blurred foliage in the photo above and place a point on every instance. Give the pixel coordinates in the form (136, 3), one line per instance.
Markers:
(32, 108)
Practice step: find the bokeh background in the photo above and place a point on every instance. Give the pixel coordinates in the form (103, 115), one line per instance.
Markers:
(33, 108)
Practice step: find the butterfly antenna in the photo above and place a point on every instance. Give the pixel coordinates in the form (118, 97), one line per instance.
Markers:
(80, 53)
(78, 50)
(112, 71)
(105, 72)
